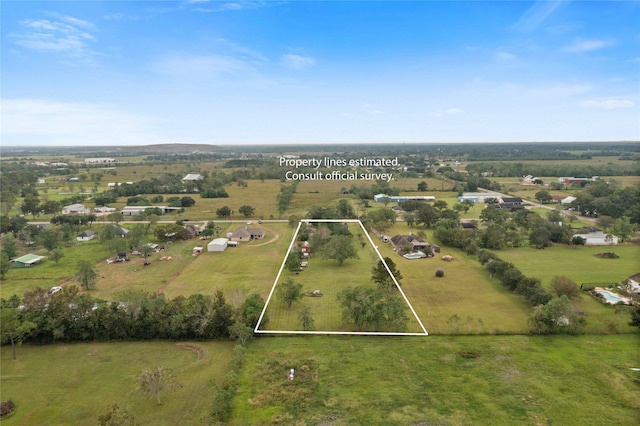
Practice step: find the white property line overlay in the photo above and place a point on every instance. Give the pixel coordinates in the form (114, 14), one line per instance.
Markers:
(351, 333)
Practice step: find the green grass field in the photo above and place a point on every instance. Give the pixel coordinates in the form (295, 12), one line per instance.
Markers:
(48, 274)
(351, 380)
(481, 304)
(330, 278)
(580, 265)
(497, 380)
(74, 384)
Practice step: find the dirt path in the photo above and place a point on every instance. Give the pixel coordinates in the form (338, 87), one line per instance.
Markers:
(275, 238)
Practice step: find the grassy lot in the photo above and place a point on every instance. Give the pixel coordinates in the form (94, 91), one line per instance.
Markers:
(481, 304)
(229, 271)
(48, 274)
(497, 380)
(580, 265)
(330, 278)
(577, 263)
(238, 272)
(74, 384)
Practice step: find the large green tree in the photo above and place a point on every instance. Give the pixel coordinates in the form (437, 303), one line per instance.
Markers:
(373, 309)
(5, 265)
(289, 291)
(556, 317)
(156, 380)
(246, 210)
(87, 276)
(380, 275)
(49, 239)
(340, 248)
(13, 329)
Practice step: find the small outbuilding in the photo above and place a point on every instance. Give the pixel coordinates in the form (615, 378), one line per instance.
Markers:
(219, 244)
(27, 261)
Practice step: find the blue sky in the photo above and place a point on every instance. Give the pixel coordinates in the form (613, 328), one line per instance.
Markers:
(220, 72)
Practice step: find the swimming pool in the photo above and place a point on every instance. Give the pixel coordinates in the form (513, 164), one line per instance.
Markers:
(416, 255)
(610, 298)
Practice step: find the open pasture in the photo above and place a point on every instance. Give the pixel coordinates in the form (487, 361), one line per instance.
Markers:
(497, 380)
(74, 384)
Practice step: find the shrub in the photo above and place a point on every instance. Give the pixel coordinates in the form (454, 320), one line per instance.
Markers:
(6, 408)
(563, 286)
(439, 273)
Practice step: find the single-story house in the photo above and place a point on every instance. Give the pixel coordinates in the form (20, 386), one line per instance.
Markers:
(247, 234)
(191, 231)
(634, 283)
(86, 236)
(568, 200)
(219, 244)
(119, 231)
(27, 261)
(399, 242)
(76, 209)
(596, 237)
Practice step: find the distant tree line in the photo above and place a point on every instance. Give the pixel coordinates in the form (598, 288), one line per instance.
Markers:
(549, 169)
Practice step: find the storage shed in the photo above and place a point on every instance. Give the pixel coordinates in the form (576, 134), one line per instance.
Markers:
(219, 244)
(27, 260)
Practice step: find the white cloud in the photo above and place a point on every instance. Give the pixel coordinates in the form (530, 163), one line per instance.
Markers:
(66, 35)
(76, 22)
(580, 46)
(608, 103)
(39, 121)
(533, 17)
(201, 65)
(297, 62)
(505, 56)
(217, 6)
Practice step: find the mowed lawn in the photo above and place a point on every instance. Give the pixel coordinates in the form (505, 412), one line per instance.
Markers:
(330, 278)
(73, 384)
(249, 268)
(466, 291)
(448, 380)
(582, 266)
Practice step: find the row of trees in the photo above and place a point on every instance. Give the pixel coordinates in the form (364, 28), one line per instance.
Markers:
(72, 316)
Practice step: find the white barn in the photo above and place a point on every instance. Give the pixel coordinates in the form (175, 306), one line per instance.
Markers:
(219, 244)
